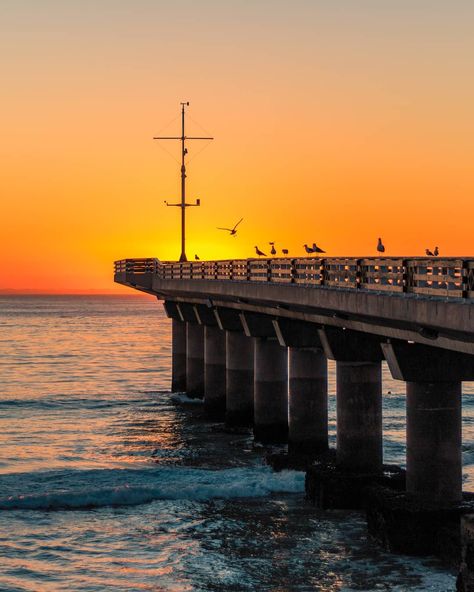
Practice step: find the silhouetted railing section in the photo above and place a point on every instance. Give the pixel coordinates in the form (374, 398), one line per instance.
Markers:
(137, 266)
(430, 277)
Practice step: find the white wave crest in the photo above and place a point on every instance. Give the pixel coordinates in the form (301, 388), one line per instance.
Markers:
(131, 488)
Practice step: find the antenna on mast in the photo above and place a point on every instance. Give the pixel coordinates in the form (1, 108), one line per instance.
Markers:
(183, 205)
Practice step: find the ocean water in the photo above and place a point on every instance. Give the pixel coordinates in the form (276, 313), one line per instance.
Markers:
(109, 482)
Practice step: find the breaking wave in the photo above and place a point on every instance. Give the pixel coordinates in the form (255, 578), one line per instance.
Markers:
(77, 490)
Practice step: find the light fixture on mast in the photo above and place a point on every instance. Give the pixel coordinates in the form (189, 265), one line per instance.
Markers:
(183, 205)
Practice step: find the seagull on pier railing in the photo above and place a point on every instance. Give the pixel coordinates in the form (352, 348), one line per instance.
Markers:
(429, 253)
(233, 231)
(284, 251)
(273, 251)
(436, 251)
(259, 252)
(380, 246)
(316, 249)
(196, 257)
(308, 249)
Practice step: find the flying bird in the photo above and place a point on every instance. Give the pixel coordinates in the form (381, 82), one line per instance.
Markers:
(429, 253)
(259, 252)
(273, 251)
(196, 257)
(380, 246)
(308, 249)
(316, 249)
(233, 231)
(436, 251)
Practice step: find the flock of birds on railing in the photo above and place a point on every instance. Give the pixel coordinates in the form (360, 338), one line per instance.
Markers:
(314, 249)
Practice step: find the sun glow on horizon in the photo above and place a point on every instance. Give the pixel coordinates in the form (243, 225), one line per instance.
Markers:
(332, 124)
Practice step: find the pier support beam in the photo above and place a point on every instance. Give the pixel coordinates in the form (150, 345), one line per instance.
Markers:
(359, 417)
(359, 398)
(195, 360)
(214, 371)
(178, 355)
(308, 401)
(271, 391)
(433, 377)
(425, 519)
(239, 379)
(434, 465)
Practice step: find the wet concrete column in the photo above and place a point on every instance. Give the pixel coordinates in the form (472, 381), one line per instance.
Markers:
(239, 379)
(308, 401)
(434, 466)
(178, 356)
(271, 391)
(195, 360)
(214, 372)
(359, 416)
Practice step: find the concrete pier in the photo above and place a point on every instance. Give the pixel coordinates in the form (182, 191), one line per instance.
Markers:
(308, 401)
(239, 379)
(178, 355)
(214, 371)
(433, 377)
(195, 360)
(271, 391)
(434, 465)
(359, 417)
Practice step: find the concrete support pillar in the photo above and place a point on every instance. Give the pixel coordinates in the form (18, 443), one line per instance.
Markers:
(178, 356)
(308, 401)
(359, 417)
(195, 360)
(239, 379)
(271, 391)
(434, 466)
(214, 372)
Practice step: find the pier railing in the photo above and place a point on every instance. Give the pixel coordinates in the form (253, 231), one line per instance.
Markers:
(448, 277)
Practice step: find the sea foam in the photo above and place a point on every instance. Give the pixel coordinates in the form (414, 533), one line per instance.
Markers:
(76, 490)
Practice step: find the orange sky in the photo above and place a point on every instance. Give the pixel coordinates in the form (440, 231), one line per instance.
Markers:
(334, 122)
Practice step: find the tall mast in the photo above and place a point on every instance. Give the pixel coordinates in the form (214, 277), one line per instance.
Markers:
(183, 205)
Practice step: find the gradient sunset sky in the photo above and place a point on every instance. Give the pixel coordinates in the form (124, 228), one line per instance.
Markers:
(334, 121)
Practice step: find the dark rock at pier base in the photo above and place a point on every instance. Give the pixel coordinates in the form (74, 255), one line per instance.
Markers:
(275, 433)
(282, 461)
(414, 525)
(465, 581)
(328, 487)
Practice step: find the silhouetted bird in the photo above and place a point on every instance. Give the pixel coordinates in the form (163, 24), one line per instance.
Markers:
(436, 251)
(273, 251)
(316, 249)
(233, 231)
(259, 252)
(308, 249)
(429, 253)
(196, 257)
(380, 246)
(284, 251)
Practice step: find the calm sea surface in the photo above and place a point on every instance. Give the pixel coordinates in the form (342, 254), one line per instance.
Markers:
(108, 483)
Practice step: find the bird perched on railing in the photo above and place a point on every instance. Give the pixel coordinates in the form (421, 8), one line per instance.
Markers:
(259, 252)
(308, 249)
(233, 231)
(436, 251)
(273, 251)
(429, 253)
(196, 257)
(316, 249)
(380, 246)
(284, 251)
